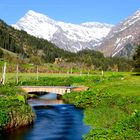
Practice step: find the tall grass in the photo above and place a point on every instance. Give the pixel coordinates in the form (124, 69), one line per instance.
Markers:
(111, 106)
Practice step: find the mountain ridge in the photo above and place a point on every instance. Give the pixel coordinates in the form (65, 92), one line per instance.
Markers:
(75, 36)
(123, 38)
(27, 47)
(118, 40)
(18, 47)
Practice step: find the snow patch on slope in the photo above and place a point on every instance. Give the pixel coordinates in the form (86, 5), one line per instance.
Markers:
(119, 42)
(129, 21)
(42, 26)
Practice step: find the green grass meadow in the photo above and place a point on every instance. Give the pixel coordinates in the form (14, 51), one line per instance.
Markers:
(111, 104)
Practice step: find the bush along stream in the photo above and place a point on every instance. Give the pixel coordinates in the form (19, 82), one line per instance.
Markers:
(14, 110)
(112, 107)
(111, 104)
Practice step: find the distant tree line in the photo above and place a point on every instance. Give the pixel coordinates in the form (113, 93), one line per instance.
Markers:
(38, 51)
(28, 46)
(136, 59)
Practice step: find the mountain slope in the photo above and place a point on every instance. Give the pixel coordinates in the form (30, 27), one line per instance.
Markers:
(28, 47)
(19, 47)
(68, 36)
(123, 38)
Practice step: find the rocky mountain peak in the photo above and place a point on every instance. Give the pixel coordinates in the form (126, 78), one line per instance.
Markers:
(71, 37)
(119, 40)
(123, 38)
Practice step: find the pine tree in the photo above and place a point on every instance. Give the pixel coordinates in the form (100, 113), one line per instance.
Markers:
(136, 59)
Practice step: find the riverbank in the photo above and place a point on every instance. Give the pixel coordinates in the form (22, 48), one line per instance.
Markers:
(111, 103)
(14, 110)
(112, 107)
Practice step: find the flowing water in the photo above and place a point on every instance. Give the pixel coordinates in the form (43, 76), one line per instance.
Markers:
(54, 121)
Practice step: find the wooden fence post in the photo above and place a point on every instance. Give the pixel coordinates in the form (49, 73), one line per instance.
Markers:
(17, 74)
(4, 74)
(37, 73)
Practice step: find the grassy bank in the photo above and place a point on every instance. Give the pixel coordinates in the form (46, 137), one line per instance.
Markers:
(112, 106)
(112, 103)
(14, 110)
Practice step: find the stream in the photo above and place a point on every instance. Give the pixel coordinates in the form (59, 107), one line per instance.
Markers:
(55, 120)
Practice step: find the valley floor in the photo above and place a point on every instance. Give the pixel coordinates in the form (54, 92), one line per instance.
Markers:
(111, 104)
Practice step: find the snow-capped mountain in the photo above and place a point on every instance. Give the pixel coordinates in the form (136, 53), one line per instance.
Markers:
(68, 36)
(123, 38)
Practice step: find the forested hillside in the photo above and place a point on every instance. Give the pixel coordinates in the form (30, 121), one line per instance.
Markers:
(18, 46)
(27, 46)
